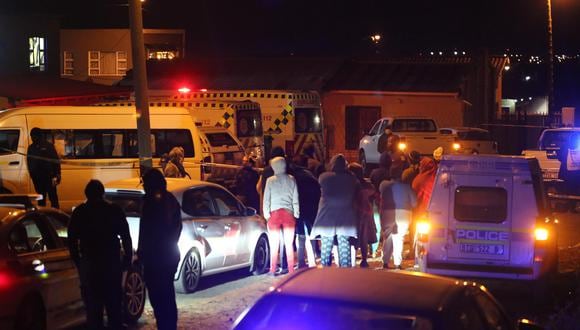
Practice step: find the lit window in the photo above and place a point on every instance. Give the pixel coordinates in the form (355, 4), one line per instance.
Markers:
(107, 63)
(68, 65)
(36, 48)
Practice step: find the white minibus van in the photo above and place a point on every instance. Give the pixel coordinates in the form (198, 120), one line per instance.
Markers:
(93, 143)
(488, 217)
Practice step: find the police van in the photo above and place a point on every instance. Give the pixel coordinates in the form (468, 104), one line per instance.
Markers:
(101, 143)
(488, 217)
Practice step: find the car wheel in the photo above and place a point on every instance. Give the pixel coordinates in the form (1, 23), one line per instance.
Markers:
(31, 315)
(134, 295)
(261, 257)
(363, 162)
(190, 273)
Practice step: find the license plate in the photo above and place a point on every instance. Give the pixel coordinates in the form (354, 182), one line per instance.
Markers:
(549, 175)
(493, 249)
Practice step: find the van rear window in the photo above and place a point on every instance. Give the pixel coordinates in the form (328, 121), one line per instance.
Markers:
(480, 204)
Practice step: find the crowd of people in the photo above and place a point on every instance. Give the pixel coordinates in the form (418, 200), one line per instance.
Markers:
(328, 212)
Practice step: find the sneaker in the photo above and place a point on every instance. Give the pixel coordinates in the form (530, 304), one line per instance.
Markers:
(281, 272)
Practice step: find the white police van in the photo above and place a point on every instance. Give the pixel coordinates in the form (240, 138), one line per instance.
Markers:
(488, 217)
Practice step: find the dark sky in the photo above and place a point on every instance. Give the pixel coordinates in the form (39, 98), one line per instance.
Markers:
(324, 27)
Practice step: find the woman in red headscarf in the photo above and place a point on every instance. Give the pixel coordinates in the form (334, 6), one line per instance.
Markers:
(423, 184)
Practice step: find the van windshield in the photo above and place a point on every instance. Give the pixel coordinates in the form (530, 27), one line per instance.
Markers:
(249, 123)
(308, 120)
(480, 204)
(220, 139)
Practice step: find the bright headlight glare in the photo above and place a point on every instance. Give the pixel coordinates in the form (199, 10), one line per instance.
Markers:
(541, 234)
(423, 227)
(456, 146)
(402, 146)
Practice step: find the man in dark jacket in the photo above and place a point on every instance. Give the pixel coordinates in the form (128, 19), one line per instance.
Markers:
(245, 183)
(93, 236)
(44, 167)
(308, 197)
(381, 173)
(159, 232)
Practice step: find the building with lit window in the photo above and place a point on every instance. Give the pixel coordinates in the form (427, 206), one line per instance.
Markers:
(103, 56)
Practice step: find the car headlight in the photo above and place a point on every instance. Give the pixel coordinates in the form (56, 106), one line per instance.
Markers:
(402, 146)
(423, 227)
(456, 146)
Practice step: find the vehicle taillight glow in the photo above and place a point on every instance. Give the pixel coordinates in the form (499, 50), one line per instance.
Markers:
(423, 227)
(456, 146)
(541, 234)
(5, 280)
(402, 146)
(184, 90)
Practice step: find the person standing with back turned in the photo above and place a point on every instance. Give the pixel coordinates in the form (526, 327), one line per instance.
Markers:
(95, 229)
(159, 233)
(44, 167)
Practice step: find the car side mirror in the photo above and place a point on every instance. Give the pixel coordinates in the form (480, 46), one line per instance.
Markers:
(525, 324)
(250, 211)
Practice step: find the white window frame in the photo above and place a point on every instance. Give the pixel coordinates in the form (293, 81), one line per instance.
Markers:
(37, 53)
(94, 63)
(68, 63)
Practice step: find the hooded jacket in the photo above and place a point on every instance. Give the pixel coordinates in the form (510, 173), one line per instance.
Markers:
(281, 191)
(336, 211)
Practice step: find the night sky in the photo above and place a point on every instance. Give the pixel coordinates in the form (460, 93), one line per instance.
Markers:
(300, 27)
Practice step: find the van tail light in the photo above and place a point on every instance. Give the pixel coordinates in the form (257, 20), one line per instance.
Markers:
(541, 234)
(422, 230)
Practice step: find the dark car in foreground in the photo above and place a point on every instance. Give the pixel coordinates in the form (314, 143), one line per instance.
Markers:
(39, 283)
(355, 298)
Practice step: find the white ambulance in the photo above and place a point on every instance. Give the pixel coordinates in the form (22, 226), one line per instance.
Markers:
(488, 217)
(98, 143)
(293, 119)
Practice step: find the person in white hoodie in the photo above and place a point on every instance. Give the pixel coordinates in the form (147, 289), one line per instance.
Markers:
(281, 209)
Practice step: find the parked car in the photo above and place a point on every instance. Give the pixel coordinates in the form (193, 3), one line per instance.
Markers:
(416, 133)
(356, 298)
(219, 232)
(39, 283)
(470, 140)
(488, 217)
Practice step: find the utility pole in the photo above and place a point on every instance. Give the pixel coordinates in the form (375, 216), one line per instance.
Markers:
(140, 85)
(553, 117)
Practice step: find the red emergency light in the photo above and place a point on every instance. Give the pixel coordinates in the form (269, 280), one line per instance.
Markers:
(184, 90)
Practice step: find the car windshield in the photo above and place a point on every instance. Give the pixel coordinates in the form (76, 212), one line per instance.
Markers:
(556, 139)
(289, 312)
(308, 120)
(414, 125)
(131, 204)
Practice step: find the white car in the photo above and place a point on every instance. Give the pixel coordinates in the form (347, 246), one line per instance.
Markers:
(471, 140)
(419, 134)
(219, 233)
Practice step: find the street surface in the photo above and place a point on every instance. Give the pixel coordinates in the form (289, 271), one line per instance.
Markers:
(221, 298)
